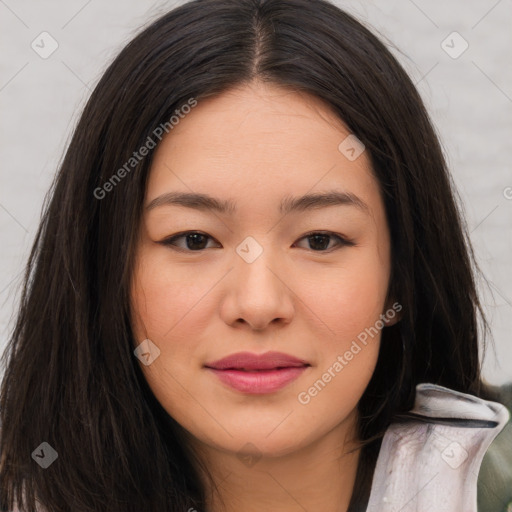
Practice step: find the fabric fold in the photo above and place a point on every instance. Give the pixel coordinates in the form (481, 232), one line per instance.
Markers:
(430, 457)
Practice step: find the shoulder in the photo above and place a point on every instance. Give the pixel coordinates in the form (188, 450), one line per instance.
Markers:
(442, 440)
(495, 476)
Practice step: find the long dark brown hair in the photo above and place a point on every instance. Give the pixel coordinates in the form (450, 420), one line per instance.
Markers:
(71, 378)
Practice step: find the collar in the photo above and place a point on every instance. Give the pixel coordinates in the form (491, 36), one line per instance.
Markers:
(430, 457)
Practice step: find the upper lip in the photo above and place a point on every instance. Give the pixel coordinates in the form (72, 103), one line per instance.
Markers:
(250, 361)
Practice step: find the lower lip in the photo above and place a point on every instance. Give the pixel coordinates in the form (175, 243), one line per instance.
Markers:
(259, 382)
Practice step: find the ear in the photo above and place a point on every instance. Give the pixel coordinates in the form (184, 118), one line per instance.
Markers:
(393, 313)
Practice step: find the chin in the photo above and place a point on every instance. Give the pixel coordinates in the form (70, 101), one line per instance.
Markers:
(257, 443)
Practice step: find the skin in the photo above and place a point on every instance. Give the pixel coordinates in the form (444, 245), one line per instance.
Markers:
(256, 144)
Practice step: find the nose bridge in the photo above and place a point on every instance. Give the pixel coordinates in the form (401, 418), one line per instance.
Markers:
(259, 294)
(254, 264)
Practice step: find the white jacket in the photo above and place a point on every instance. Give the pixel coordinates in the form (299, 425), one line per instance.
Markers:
(430, 463)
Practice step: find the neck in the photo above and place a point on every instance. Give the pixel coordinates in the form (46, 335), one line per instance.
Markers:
(319, 476)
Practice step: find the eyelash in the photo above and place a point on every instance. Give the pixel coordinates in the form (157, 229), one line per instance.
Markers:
(342, 241)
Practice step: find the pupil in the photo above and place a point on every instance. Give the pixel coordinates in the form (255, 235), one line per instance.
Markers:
(316, 238)
(196, 239)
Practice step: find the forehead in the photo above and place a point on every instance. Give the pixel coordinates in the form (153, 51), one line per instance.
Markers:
(260, 141)
(257, 115)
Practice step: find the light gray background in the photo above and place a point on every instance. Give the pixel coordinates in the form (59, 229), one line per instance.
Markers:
(469, 98)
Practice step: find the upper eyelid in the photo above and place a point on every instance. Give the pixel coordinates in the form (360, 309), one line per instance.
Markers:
(185, 233)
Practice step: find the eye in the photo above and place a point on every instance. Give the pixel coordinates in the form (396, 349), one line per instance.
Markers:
(319, 240)
(195, 241)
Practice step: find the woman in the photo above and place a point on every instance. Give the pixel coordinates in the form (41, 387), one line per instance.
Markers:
(250, 260)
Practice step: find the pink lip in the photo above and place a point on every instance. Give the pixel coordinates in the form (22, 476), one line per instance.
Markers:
(258, 374)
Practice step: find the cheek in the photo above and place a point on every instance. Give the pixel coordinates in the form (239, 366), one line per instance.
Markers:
(351, 297)
(350, 304)
(167, 308)
(166, 300)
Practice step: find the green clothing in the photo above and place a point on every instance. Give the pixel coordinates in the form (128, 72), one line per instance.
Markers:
(494, 490)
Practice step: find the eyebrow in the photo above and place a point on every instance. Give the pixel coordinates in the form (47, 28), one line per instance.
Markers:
(204, 202)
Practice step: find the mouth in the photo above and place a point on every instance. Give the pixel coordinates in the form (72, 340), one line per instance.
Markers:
(259, 369)
(258, 374)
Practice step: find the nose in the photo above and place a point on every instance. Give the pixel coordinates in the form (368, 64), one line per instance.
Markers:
(258, 294)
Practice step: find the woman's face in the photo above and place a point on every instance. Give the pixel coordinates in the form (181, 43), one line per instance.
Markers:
(308, 281)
